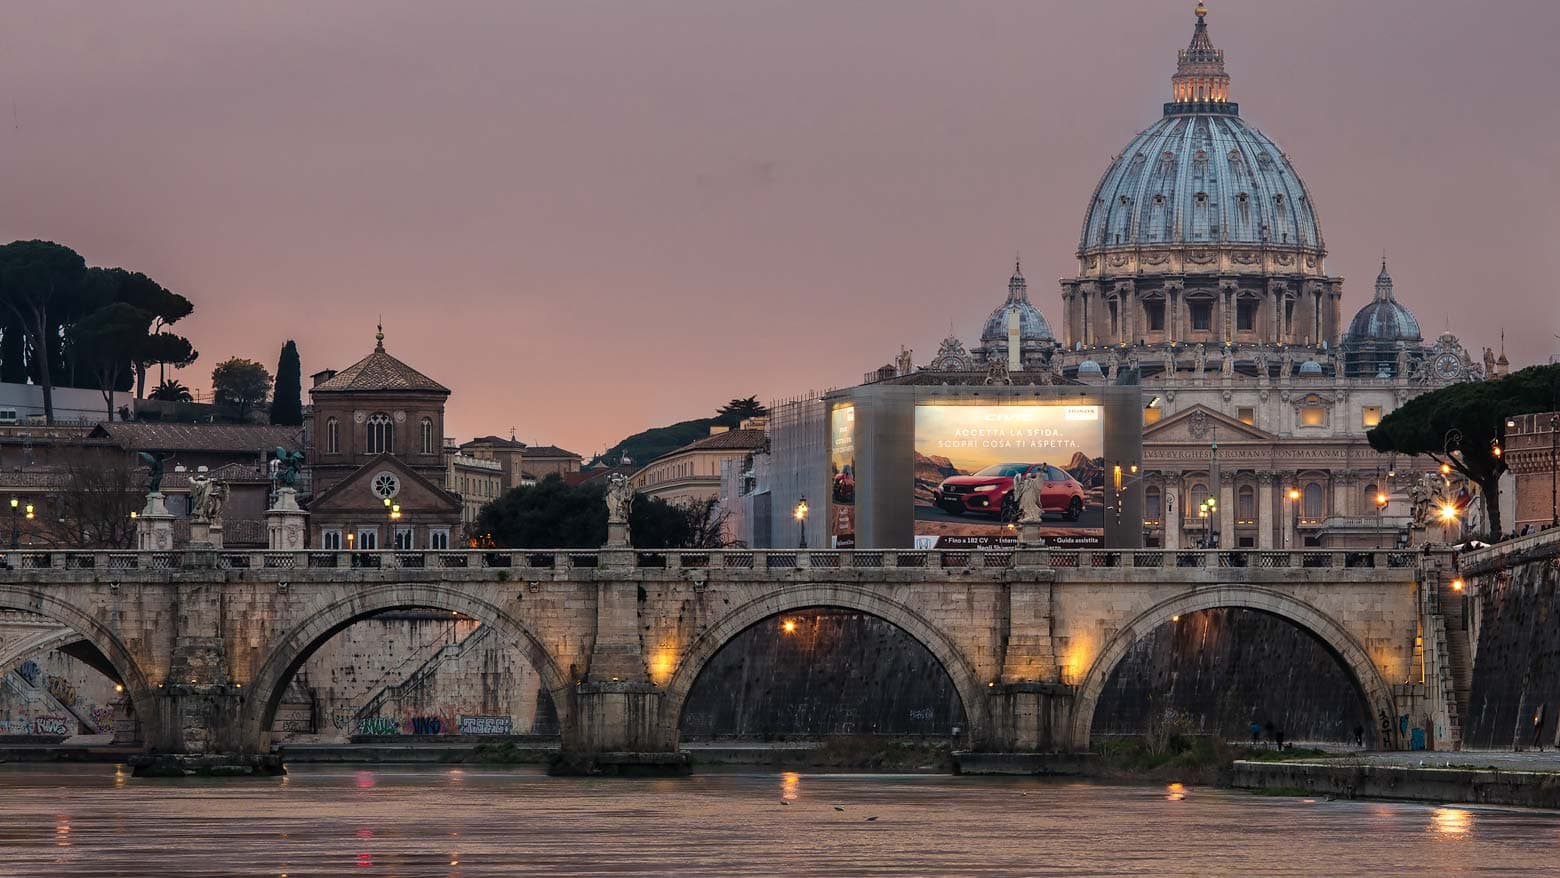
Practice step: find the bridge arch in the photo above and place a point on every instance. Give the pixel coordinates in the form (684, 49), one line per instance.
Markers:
(972, 693)
(296, 645)
(1375, 691)
(131, 674)
(43, 641)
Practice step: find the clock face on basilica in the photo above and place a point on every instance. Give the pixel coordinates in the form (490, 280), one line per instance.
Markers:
(1447, 366)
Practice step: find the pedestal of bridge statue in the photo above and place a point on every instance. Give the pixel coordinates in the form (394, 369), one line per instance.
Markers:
(154, 525)
(285, 522)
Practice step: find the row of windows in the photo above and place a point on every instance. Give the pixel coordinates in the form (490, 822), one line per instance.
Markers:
(670, 471)
(380, 429)
(366, 538)
(1313, 505)
(1309, 415)
(471, 486)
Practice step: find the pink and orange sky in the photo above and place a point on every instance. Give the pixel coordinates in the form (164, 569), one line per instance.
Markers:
(591, 217)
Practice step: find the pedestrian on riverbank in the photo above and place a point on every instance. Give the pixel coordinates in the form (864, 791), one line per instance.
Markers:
(1278, 738)
(1256, 733)
(1359, 736)
(1538, 728)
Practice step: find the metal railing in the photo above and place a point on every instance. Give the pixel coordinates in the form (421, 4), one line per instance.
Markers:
(710, 559)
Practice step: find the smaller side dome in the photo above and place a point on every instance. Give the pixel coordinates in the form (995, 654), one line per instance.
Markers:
(1384, 318)
(1032, 325)
(1089, 367)
(1310, 367)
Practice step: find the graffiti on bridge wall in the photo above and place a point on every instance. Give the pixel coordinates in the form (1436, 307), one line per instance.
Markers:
(444, 722)
(50, 725)
(378, 725)
(62, 691)
(486, 725)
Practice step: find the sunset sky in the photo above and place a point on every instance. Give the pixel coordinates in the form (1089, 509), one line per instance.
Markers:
(587, 218)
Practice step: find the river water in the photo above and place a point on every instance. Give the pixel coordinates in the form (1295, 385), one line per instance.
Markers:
(96, 820)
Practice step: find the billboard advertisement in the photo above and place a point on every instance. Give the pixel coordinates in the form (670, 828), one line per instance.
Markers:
(842, 476)
(971, 461)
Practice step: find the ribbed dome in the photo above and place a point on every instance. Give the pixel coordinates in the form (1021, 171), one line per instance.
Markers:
(1385, 318)
(1201, 178)
(1031, 323)
(1200, 174)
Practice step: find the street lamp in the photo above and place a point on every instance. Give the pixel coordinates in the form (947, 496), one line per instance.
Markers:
(15, 522)
(1294, 531)
(1381, 505)
(1205, 511)
(800, 515)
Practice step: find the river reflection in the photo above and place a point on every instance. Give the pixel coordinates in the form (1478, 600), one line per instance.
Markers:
(94, 820)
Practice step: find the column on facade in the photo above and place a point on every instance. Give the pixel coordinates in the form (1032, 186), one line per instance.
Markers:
(1088, 337)
(1227, 311)
(1171, 511)
(1265, 510)
(1227, 511)
(1172, 306)
(1344, 488)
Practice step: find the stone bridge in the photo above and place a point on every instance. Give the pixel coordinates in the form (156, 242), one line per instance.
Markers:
(205, 643)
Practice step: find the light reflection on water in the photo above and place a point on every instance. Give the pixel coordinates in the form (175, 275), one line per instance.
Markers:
(91, 820)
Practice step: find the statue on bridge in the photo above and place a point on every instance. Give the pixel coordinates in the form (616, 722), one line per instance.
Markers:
(154, 470)
(289, 463)
(206, 496)
(620, 501)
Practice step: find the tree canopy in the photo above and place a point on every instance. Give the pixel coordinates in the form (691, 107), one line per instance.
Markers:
(733, 413)
(64, 324)
(647, 445)
(287, 401)
(554, 515)
(240, 383)
(1462, 425)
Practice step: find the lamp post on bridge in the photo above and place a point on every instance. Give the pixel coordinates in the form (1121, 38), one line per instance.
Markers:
(800, 514)
(16, 532)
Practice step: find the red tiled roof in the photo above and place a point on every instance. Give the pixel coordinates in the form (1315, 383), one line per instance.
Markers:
(379, 371)
(538, 451)
(156, 436)
(731, 440)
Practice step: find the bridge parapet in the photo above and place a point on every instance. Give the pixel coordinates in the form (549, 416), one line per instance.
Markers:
(711, 559)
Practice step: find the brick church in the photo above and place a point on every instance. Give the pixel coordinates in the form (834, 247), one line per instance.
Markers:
(376, 453)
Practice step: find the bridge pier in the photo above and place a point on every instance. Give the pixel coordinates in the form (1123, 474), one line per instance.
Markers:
(1030, 718)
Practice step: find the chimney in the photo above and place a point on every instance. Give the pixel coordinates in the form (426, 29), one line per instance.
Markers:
(322, 376)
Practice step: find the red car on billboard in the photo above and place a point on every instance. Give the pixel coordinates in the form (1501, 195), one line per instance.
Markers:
(990, 491)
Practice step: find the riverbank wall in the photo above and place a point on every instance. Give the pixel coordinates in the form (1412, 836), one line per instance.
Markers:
(1483, 786)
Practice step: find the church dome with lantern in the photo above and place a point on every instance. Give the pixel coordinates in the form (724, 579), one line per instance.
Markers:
(1201, 231)
(1016, 315)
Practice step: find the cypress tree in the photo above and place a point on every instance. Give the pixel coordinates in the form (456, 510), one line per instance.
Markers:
(287, 401)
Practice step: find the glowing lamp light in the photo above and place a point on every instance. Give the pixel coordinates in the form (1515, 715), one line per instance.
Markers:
(15, 502)
(119, 687)
(801, 510)
(1381, 499)
(1446, 469)
(1448, 512)
(1294, 493)
(1458, 584)
(788, 626)
(1175, 618)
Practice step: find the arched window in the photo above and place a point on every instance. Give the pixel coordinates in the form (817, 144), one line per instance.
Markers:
(1246, 504)
(1311, 504)
(427, 435)
(1198, 495)
(1153, 504)
(332, 437)
(381, 434)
